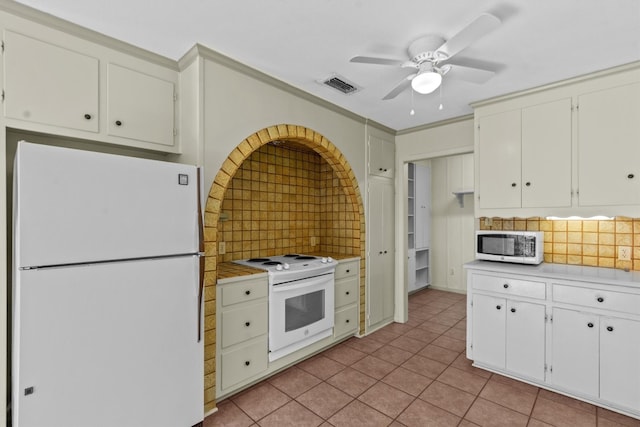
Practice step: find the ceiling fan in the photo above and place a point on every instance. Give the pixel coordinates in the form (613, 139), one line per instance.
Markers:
(431, 57)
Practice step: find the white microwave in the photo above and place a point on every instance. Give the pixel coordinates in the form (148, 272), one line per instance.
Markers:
(522, 247)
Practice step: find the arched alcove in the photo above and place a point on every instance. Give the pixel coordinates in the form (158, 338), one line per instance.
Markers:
(347, 182)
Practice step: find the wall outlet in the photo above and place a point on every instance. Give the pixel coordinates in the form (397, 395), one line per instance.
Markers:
(222, 248)
(624, 253)
(312, 241)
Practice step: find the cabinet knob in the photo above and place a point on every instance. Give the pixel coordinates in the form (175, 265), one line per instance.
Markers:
(610, 328)
(513, 184)
(385, 252)
(380, 253)
(118, 123)
(630, 176)
(590, 325)
(506, 285)
(380, 169)
(513, 310)
(498, 307)
(247, 292)
(347, 292)
(87, 116)
(528, 184)
(247, 363)
(247, 324)
(600, 299)
(348, 271)
(347, 321)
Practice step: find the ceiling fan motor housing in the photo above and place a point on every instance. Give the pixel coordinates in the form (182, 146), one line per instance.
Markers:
(426, 49)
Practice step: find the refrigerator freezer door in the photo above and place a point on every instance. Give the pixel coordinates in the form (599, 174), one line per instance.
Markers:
(74, 206)
(108, 345)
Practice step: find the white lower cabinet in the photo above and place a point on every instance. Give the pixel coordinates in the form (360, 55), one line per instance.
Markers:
(573, 331)
(347, 290)
(509, 335)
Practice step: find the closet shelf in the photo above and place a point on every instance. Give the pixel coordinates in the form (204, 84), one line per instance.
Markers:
(460, 196)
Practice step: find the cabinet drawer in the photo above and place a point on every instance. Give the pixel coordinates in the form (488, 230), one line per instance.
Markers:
(347, 269)
(243, 291)
(346, 321)
(607, 300)
(243, 323)
(243, 363)
(509, 286)
(346, 292)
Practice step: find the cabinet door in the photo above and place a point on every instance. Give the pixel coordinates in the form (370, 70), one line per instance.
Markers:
(499, 160)
(546, 155)
(381, 248)
(575, 347)
(50, 85)
(381, 157)
(140, 106)
(608, 149)
(620, 362)
(525, 339)
(489, 332)
(422, 206)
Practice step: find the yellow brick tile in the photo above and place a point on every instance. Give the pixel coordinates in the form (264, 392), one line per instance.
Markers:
(508, 224)
(590, 250)
(624, 239)
(574, 259)
(606, 262)
(624, 226)
(574, 237)
(574, 249)
(559, 248)
(559, 259)
(590, 261)
(590, 226)
(574, 225)
(559, 225)
(559, 237)
(546, 225)
(590, 238)
(606, 226)
(624, 265)
(606, 251)
(520, 225)
(607, 239)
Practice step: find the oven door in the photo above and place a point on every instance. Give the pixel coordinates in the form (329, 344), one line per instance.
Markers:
(300, 313)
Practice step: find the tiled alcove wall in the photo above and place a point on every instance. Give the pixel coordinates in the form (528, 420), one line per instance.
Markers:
(281, 197)
(580, 242)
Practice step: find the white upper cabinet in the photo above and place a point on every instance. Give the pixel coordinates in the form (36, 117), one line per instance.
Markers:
(140, 106)
(49, 84)
(381, 157)
(608, 146)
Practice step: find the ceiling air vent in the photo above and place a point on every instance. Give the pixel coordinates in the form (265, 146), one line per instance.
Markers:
(340, 83)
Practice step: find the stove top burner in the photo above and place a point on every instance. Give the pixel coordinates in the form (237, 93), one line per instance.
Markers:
(272, 263)
(303, 257)
(290, 255)
(258, 260)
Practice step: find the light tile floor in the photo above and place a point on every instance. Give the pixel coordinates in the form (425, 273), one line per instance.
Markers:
(412, 374)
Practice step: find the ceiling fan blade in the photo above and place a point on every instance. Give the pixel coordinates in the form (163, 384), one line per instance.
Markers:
(377, 61)
(405, 83)
(481, 26)
(470, 74)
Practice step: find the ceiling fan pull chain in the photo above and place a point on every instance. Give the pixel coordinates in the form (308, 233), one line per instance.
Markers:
(440, 106)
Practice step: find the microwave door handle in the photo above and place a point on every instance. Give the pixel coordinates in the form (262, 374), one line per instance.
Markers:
(301, 284)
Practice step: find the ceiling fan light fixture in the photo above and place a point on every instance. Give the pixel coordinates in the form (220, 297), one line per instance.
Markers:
(426, 82)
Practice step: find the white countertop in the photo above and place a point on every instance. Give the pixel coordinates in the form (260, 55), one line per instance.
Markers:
(562, 271)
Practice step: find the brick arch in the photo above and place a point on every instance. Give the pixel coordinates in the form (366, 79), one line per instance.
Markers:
(301, 135)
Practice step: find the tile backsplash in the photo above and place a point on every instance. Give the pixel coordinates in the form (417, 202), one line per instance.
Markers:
(580, 242)
(286, 199)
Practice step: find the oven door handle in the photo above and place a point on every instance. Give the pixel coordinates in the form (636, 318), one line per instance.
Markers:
(302, 284)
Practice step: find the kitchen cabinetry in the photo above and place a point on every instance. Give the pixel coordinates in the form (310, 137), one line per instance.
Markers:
(609, 131)
(381, 157)
(508, 333)
(49, 84)
(62, 85)
(524, 157)
(573, 330)
(242, 334)
(380, 235)
(596, 353)
(347, 287)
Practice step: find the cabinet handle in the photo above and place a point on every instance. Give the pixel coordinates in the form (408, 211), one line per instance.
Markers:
(247, 363)
(513, 184)
(590, 325)
(247, 292)
(630, 176)
(118, 123)
(600, 299)
(498, 307)
(506, 285)
(87, 116)
(610, 328)
(513, 310)
(247, 324)
(528, 184)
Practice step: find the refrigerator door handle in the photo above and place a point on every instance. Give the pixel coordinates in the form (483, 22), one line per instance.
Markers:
(202, 256)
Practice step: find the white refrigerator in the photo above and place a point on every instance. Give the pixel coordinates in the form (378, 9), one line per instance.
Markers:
(107, 291)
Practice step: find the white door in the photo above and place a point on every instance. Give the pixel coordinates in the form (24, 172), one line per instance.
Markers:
(79, 206)
(575, 350)
(489, 332)
(620, 362)
(110, 344)
(525, 339)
